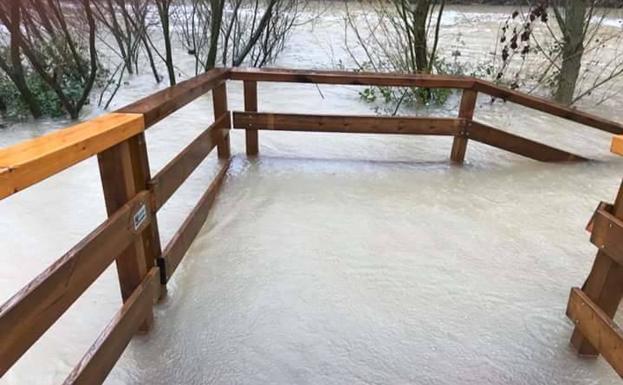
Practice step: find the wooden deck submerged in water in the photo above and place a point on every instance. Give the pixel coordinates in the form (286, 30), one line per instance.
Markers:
(130, 236)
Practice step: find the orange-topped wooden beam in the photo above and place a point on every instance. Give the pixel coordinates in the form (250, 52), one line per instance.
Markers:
(32, 161)
(617, 145)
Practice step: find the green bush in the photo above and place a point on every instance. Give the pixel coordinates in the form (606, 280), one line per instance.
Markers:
(15, 106)
(61, 65)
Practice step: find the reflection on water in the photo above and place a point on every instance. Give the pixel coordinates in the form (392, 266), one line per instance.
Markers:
(339, 259)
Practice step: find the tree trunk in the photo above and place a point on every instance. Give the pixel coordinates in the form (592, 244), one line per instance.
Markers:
(17, 74)
(150, 57)
(572, 50)
(420, 15)
(163, 10)
(261, 27)
(215, 32)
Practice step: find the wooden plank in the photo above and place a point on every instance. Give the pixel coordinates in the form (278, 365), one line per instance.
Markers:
(110, 344)
(601, 206)
(32, 161)
(162, 104)
(181, 241)
(607, 235)
(30, 313)
(466, 111)
(124, 172)
(604, 286)
(598, 328)
(617, 145)
(348, 124)
(170, 178)
(219, 100)
(250, 105)
(518, 145)
(549, 107)
(350, 78)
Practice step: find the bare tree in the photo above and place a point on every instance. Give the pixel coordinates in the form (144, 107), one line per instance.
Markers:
(234, 32)
(52, 40)
(395, 35)
(135, 15)
(111, 15)
(194, 20)
(164, 13)
(572, 54)
(11, 18)
(259, 38)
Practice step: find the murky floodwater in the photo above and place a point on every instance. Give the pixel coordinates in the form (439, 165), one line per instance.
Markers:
(339, 259)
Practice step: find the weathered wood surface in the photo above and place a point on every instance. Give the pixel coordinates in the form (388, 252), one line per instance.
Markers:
(607, 207)
(125, 172)
(178, 246)
(597, 327)
(161, 104)
(32, 161)
(219, 101)
(549, 107)
(250, 105)
(171, 177)
(104, 353)
(466, 111)
(607, 235)
(516, 144)
(604, 286)
(29, 313)
(350, 78)
(348, 124)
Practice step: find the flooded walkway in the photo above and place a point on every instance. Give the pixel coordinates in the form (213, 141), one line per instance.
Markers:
(345, 272)
(339, 259)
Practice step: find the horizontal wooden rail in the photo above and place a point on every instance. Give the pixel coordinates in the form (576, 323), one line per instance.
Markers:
(597, 328)
(607, 235)
(351, 78)
(516, 144)
(426, 81)
(549, 107)
(348, 124)
(181, 241)
(29, 313)
(170, 178)
(32, 161)
(104, 353)
(161, 104)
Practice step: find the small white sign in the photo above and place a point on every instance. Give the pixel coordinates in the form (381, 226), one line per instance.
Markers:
(139, 217)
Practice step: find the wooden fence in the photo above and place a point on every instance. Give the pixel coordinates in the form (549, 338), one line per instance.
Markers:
(592, 308)
(130, 235)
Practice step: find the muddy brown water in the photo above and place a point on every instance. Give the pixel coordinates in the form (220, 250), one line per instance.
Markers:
(339, 259)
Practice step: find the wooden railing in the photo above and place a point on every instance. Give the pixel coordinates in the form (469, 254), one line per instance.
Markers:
(462, 129)
(130, 235)
(593, 307)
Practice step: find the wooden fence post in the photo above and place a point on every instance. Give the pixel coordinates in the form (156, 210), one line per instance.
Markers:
(124, 170)
(250, 105)
(466, 111)
(219, 100)
(604, 286)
